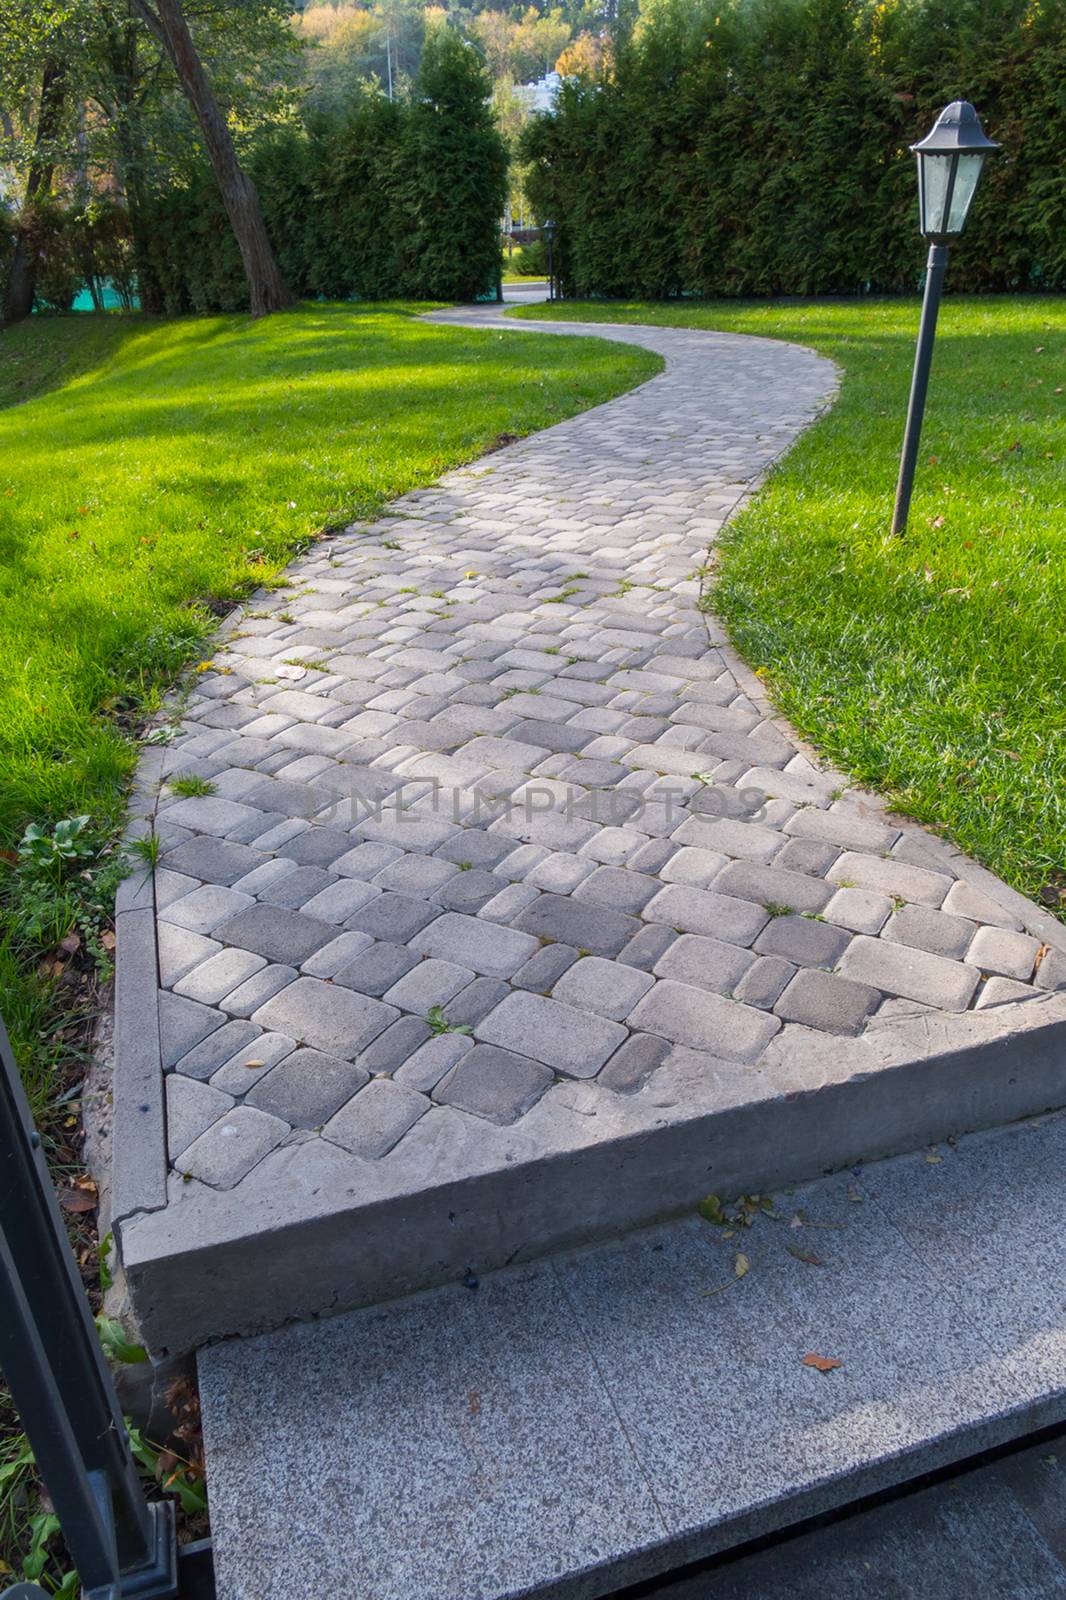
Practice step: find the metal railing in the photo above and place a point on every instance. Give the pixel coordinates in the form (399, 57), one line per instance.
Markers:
(122, 1545)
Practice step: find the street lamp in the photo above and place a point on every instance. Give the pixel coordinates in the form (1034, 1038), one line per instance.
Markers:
(548, 231)
(950, 159)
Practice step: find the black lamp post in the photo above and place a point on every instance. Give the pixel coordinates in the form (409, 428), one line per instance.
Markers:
(548, 231)
(950, 159)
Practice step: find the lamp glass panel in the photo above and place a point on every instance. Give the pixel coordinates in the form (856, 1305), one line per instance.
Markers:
(933, 178)
(969, 170)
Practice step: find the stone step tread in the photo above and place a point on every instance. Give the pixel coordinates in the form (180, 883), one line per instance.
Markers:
(599, 1418)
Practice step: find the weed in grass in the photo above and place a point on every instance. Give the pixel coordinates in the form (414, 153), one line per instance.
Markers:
(775, 908)
(438, 1023)
(190, 785)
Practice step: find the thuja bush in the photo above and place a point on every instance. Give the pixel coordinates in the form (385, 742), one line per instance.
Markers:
(758, 147)
(377, 200)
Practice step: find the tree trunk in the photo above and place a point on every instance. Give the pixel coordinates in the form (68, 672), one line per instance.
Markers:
(123, 112)
(22, 275)
(267, 289)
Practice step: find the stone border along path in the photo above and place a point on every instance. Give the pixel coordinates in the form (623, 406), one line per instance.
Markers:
(706, 966)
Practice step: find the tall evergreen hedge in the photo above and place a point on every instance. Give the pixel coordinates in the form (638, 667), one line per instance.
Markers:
(755, 147)
(385, 200)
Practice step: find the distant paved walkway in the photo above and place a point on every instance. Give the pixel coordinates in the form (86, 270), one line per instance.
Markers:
(662, 877)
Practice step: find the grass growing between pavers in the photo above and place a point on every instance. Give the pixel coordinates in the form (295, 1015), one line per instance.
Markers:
(933, 666)
(152, 472)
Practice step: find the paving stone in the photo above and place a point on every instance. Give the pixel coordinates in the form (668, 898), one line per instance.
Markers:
(842, 828)
(213, 860)
(340, 901)
(647, 945)
(704, 1021)
(823, 1000)
(319, 847)
(417, 875)
(803, 941)
(705, 963)
(763, 982)
(492, 951)
(426, 1067)
(598, 931)
(396, 917)
(391, 1048)
(180, 950)
(475, 848)
(1004, 952)
(213, 815)
(286, 936)
(219, 976)
(1003, 991)
(963, 900)
(772, 886)
(258, 989)
(726, 836)
(192, 1107)
(182, 1025)
(912, 974)
(470, 891)
(232, 1146)
(430, 983)
(697, 868)
(545, 968)
(633, 1063)
(562, 1037)
(721, 916)
(859, 910)
(618, 889)
(328, 961)
(1051, 970)
(560, 872)
(930, 930)
(605, 987)
(205, 908)
(328, 1017)
(267, 876)
(376, 1119)
(494, 1084)
(376, 967)
(237, 1075)
(807, 855)
(366, 860)
(891, 877)
(292, 888)
(307, 1087)
(475, 1002)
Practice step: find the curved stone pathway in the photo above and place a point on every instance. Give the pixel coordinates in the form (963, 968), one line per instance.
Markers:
(505, 855)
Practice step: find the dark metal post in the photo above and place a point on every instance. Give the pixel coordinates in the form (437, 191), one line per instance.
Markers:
(55, 1369)
(923, 360)
(551, 265)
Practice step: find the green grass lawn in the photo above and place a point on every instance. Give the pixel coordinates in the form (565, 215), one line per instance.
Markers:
(153, 470)
(932, 667)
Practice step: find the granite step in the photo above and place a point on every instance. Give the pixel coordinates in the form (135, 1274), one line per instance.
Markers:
(600, 1418)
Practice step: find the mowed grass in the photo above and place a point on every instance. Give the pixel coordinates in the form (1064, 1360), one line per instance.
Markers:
(932, 666)
(152, 472)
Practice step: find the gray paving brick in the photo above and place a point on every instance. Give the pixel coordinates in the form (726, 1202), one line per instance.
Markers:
(633, 1063)
(376, 967)
(763, 982)
(587, 927)
(328, 961)
(545, 968)
(1004, 952)
(430, 983)
(205, 908)
(285, 936)
(860, 910)
(397, 917)
(647, 945)
(180, 950)
(475, 848)
(721, 916)
(697, 868)
(391, 1048)
(772, 886)
(307, 1087)
(212, 814)
(1003, 991)
(366, 860)
(704, 1021)
(475, 1002)
(605, 987)
(562, 1037)
(891, 877)
(219, 976)
(292, 888)
(1051, 970)
(182, 1025)
(560, 872)
(376, 1119)
(192, 1106)
(318, 847)
(232, 1146)
(470, 891)
(417, 875)
(727, 836)
(426, 1067)
(328, 1017)
(807, 855)
(248, 1064)
(930, 930)
(492, 951)
(911, 974)
(494, 1084)
(842, 828)
(340, 901)
(803, 941)
(705, 963)
(963, 900)
(213, 860)
(618, 889)
(258, 989)
(823, 1000)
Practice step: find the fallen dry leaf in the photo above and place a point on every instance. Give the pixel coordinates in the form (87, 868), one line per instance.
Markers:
(742, 1265)
(78, 1199)
(820, 1363)
(805, 1255)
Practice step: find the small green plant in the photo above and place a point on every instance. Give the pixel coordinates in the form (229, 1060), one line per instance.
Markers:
(438, 1023)
(117, 1346)
(146, 848)
(45, 854)
(776, 909)
(190, 784)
